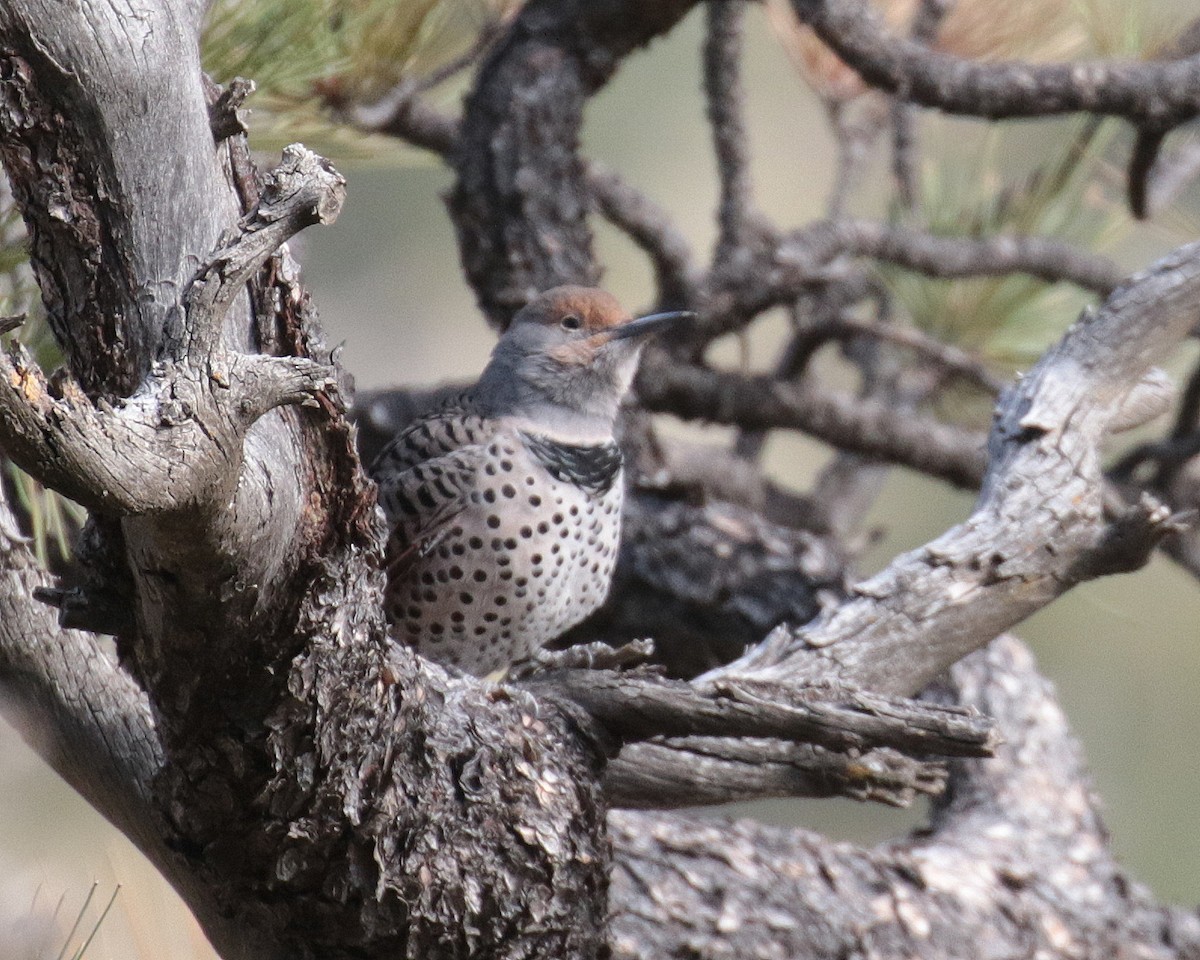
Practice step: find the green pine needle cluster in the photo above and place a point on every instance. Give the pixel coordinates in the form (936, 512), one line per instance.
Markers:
(1059, 179)
(308, 56)
(1070, 197)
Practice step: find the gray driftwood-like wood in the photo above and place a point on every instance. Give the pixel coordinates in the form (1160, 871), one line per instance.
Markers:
(1016, 864)
(313, 789)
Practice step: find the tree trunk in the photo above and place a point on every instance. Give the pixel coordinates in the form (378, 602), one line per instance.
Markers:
(314, 789)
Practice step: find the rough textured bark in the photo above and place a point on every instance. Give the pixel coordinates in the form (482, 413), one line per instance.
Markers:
(521, 131)
(315, 790)
(305, 775)
(1016, 864)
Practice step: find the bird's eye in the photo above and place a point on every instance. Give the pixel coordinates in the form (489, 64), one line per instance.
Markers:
(571, 323)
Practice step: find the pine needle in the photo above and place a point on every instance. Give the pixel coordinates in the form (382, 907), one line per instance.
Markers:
(78, 920)
(78, 955)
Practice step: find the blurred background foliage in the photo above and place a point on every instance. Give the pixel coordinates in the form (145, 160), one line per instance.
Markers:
(306, 56)
(51, 519)
(1123, 651)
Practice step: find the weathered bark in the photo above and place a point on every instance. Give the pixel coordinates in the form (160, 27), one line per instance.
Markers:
(1046, 446)
(311, 792)
(313, 789)
(520, 135)
(1016, 864)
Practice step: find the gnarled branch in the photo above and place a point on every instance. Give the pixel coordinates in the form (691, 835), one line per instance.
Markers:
(1165, 93)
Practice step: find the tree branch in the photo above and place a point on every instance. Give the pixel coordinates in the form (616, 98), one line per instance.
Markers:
(301, 191)
(710, 771)
(190, 418)
(947, 257)
(1040, 526)
(865, 426)
(637, 706)
(518, 234)
(924, 29)
(1162, 93)
(818, 254)
(86, 717)
(1017, 862)
(724, 94)
(64, 692)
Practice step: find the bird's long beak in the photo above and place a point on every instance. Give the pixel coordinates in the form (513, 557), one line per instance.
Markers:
(654, 323)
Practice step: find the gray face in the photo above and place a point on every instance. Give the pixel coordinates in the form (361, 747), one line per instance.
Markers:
(588, 372)
(567, 359)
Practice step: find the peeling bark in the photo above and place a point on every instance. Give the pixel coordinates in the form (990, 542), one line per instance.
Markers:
(312, 788)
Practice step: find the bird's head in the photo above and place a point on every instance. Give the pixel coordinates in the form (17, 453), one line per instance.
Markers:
(570, 354)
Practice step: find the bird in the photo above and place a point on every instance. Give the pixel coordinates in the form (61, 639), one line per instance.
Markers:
(503, 505)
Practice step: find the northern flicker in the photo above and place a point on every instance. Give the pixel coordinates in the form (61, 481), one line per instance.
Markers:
(504, 505)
